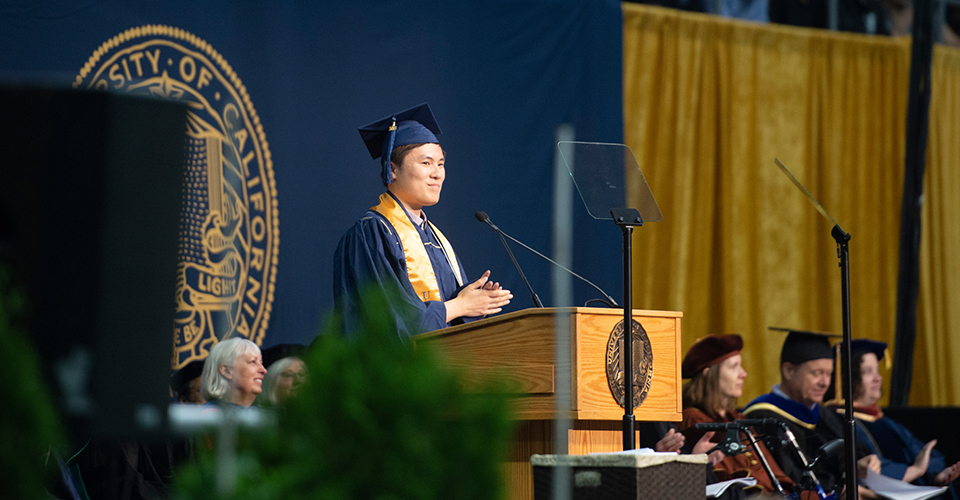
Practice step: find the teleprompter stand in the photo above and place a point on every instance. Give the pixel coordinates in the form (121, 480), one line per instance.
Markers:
(627, 219)
(601, 176)
(849, 425)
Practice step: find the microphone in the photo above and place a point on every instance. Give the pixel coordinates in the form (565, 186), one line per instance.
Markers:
(761, 422)
(828, 450)
(730, 445)
(740, 424)
(483, 217)
(710, 426)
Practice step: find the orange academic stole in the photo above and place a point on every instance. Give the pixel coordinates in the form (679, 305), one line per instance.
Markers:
(419, 269)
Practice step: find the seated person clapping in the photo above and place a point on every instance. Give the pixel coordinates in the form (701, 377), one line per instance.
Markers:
(902, 456)
(713, 365)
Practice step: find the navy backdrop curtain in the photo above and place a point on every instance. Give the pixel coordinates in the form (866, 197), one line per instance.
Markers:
(499, 75)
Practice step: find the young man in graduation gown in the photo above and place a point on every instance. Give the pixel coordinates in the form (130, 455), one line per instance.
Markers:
(401, 263)
(806, 365)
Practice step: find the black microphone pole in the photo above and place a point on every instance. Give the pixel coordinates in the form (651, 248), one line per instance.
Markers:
(483, 217)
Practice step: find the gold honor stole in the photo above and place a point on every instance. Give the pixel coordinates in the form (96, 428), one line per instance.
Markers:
(419, 269)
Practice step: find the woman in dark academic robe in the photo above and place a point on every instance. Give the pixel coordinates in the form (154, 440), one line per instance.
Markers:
(902, 455)
(395, 262)
(713, 365)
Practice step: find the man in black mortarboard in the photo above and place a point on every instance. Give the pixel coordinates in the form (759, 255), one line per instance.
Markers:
(806, 365)
(394, 253)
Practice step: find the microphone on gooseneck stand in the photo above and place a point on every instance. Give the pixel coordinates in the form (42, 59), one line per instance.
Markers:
(482, 217)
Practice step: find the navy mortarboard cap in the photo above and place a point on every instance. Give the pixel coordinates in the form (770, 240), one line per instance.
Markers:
(410, 126)
(184, 375)
(857, 346)
(801, 346)
(277, 352)
(867, 345)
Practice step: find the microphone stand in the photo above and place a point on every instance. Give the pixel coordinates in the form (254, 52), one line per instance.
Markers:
(484, 218)
(732, 444)
(850, 425)
(843, 252)
(533, 295)
(607, 300)
(627, 219)
(766, 465)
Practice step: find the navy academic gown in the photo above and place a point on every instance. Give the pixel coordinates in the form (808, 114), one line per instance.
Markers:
(812, 429)
(370, 258)
(897, 448)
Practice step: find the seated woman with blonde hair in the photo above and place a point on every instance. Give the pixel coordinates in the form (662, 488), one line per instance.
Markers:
(716, 381)
(233, 373)
(283, 381)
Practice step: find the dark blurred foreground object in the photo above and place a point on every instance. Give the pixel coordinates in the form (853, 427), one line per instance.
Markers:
(127, 470)
(29, 424)
(89, 204)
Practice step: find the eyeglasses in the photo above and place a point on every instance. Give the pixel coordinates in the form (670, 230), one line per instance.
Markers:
(298, 376)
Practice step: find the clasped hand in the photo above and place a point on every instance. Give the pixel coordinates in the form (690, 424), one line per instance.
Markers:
(480, 298)
(673, 441)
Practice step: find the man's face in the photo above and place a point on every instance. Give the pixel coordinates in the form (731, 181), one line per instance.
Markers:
(418, 180)
(807, 382)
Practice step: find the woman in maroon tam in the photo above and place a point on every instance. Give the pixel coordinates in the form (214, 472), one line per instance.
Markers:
(716, 381)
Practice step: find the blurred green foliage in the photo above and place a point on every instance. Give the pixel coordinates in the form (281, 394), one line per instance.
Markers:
(29, 423)
(377, 419)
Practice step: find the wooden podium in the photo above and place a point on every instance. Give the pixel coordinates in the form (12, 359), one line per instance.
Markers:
(520, 348)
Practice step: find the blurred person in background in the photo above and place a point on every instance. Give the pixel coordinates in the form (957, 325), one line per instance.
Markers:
(185, 382)
(283, 381)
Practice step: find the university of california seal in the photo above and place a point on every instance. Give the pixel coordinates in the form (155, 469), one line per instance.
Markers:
(642, 363)
(228, 221)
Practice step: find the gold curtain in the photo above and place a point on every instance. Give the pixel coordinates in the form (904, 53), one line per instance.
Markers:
(708, 104)
(936, 381)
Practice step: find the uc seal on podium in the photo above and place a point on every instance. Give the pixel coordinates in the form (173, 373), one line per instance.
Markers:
(642, 357)
(228, 248)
